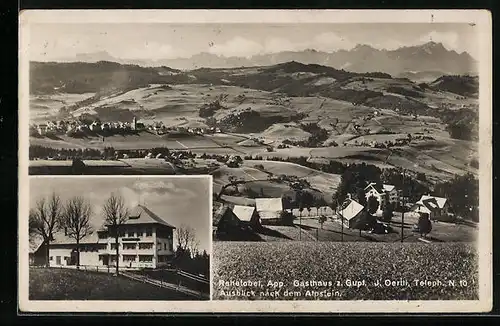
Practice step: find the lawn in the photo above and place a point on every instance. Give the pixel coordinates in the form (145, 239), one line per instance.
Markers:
(352, 268)
(66, 284)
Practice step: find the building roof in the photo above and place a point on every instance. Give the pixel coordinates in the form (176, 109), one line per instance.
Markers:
(143, 215)
(376, 186)
(269, 204)
(388, 187)
(380, 188)
(244, 213)
(218, 211)
(352, 210)
(61, 239)
(431, 203)
(35, 243)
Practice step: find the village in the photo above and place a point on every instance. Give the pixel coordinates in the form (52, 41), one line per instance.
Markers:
(382, 214)
(83, 126)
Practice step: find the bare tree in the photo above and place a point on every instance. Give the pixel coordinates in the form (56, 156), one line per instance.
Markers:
(44, 220)
(186, 239)
(115, 215)
(76, 221)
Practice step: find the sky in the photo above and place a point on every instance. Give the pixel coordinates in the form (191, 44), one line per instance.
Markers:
(153, 41)
(178, 201)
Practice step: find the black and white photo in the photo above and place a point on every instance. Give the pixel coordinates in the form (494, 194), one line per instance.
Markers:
(348, 152)
(157, 227)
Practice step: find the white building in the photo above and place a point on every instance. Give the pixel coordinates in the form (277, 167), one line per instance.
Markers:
(351, 214)
(379, 191)
(145, 241)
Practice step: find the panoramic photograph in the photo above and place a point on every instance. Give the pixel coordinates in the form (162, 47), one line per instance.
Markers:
(344, 157)
(119, 238)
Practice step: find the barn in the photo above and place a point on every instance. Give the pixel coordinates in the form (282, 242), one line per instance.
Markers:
(352, 214)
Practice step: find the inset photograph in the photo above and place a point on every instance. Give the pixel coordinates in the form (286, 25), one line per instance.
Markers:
(119, 238)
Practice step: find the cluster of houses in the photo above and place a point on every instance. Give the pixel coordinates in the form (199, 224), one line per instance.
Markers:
(145, 241)
(68, 126)
(229, 218)
(64, 126)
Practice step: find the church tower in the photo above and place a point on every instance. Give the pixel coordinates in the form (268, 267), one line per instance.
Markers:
(134, 123)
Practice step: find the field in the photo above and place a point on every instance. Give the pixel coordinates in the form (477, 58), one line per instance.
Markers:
(66, 284)
(351, 277)
(441, 231)
(280, 102)
(100, 167)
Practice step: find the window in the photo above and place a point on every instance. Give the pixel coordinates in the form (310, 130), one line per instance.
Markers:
(145, 245)
(128, 258)
(131, 233)
(146, 258)
(51, 258)
(129, 246)
(121, 233)
(149, 232)
(140, 232)
(113, 246)
(103, 235)
(165, 246)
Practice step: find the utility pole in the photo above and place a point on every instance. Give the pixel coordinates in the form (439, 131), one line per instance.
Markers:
(341, 223)
(403, 210)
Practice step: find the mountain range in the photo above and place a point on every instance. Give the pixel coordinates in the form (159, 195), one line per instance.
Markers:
(420, 61)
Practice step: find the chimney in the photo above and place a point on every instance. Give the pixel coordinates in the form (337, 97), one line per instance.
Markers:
(349, 196)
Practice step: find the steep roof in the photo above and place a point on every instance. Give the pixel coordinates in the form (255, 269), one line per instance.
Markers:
(352, 210)
(218, 211)
(376, 186)
(244, 213)
(432, 202)
(143, 215)
(35, 243)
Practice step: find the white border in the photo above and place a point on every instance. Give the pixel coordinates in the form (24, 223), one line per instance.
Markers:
(482, 19)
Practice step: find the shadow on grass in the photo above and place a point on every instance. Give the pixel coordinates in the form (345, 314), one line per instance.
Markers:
(239, 235)
(272, 233)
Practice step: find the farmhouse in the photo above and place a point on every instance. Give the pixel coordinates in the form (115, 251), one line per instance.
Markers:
(224, 221)
(269, 209)
(431, 206)
(352, 214)
(145, 241)
(380, 191)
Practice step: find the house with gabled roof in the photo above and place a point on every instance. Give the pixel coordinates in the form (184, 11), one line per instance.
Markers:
(144, 241)
(380, 191)
(432, 206)
(351, 213)
(224, 221)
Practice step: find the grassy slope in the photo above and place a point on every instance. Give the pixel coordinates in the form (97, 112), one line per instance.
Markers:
(179, 103)
(288, 261)
(65, 284)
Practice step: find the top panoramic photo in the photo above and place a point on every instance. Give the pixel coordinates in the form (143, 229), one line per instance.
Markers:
(139, 98)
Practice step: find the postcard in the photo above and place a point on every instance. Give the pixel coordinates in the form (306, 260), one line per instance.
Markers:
(311, 161)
